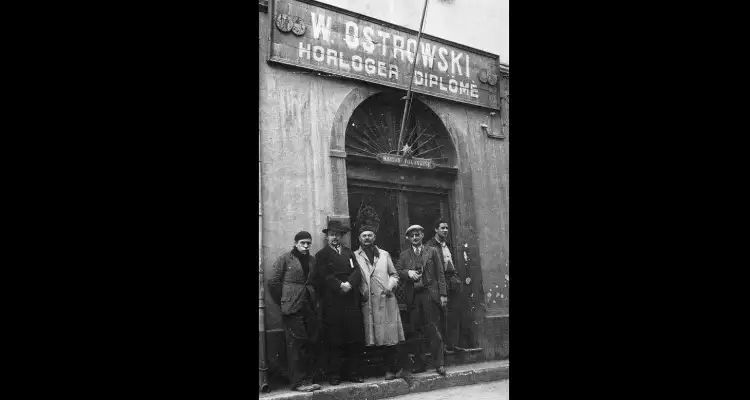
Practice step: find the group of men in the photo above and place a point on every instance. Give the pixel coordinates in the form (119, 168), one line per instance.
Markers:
(354, 291)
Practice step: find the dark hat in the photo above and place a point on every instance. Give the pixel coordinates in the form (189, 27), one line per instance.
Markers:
(336, 226)
(302, 235)
(364, 228)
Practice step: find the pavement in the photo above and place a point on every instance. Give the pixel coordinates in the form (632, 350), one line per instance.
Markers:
(379, 388)
(497, 390)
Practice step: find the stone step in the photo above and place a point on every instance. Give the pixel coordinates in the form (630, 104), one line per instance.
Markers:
(378, 388)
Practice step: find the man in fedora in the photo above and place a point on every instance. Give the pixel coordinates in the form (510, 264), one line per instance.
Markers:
(342, 315)
(292, 286)
(420, 269)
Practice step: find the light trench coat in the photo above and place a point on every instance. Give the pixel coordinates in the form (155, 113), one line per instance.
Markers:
(381, 314)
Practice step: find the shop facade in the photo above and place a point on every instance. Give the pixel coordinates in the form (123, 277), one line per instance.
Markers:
(332, 88)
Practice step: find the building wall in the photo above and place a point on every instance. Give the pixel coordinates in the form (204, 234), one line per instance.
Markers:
(297, 112)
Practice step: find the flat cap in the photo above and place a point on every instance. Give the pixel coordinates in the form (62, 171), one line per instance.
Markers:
(413, 227)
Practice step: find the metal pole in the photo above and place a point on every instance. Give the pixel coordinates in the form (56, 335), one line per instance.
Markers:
(262, 367)
(408, 93)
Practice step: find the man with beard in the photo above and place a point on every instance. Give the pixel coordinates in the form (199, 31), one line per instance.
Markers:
(342, 315)
(421, 270)
(451, 315)
(291, 286)
(382, 320)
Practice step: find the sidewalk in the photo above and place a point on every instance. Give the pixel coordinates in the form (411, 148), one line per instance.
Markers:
(378, 388)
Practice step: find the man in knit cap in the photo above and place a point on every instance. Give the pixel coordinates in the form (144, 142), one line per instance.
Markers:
(292, 287)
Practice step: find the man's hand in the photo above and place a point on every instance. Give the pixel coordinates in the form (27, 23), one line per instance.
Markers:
(388, 293)
(413, 275)
(346, 286)
(443, 301)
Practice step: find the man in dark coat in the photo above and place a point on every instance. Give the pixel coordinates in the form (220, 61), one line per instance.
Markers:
(342, 315)
(292, 287)
(452, 314)
(420, 269)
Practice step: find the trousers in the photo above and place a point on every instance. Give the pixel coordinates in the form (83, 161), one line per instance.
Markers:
(425, 317)
(300, 346)
(345, 359)
(450, 319)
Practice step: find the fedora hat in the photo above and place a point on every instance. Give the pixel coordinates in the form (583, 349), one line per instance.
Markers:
(335, 226)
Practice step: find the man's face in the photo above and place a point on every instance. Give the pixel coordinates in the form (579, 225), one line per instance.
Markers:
(303, 246)
(442, 231)
(334, 238)
(415, 237)
(367, 238)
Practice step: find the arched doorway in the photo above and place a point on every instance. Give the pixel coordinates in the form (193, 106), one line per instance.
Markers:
(393, 192)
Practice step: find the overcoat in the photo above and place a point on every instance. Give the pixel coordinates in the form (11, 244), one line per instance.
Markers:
(342, 312)
(382, 320)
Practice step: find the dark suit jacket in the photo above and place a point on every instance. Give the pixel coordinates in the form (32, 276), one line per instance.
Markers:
(288, 283)
(452, 279)
(432, 275)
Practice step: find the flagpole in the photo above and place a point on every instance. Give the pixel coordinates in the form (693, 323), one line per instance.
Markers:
(411, 80)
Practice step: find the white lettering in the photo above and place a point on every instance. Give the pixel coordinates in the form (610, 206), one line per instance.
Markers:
(467, 66)
(304, 50)
(443, 64)
(453, 86)
(343, 65)
(433, 80)
(352, 40)
(357, 63)
(384, 36)
(332, 56)
(398, 46)
(381, 69)
(367, 44)
(319, 50)
(454, 62)
(393, 71)
(318, 26)
(409, 52)
(474, 91)
(370, 66)
(463, 89)
(428, 55)
(442, 87)
(418, 78)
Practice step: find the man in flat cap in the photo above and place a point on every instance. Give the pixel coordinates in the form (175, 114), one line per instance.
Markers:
(382, 319)
(344, 332)
(420, 269)
(292, 287)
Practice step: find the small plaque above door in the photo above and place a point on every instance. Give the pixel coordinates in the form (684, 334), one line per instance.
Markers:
(392, 159)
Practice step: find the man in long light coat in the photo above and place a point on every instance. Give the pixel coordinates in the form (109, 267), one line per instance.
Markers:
(380, 312)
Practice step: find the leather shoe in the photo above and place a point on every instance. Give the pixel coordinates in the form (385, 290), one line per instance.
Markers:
(390, 376)
(418, 370)
(334, 381)
(356, 379)
(441, 370)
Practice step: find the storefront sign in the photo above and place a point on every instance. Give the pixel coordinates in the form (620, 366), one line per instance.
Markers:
(424, 163)
(324, 38)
